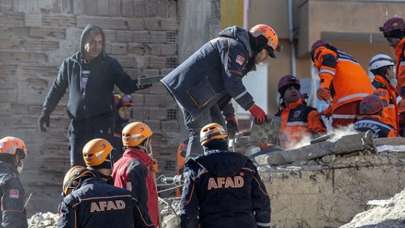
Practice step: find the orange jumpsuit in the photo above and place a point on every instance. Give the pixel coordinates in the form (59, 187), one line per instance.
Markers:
(400, 66)
(297, 121)
(347, 81)
(388, 94)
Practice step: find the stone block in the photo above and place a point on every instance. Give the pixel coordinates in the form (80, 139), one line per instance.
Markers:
(150, 72)
(23, 58)
(157, 62)
(127, 8)
(124, 36)
(172, 9)
(114, 7)
(155, 113)
(102, 7)
(44, 32)
(31, 90)
(12, 20)
(136, 23)
(160, 24)
(103, 22)
(118, 49)
(59, 21)
(139, 8)
(151, 8)
(137, 49)
(170, 125)
(152, 100)
(33, 20)
(158, 37)
(141, 36)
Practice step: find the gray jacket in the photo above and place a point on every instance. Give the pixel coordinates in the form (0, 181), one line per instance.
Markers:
(213, 72)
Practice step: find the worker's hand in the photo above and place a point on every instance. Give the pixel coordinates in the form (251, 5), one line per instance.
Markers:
(144, 86)
(327, 112)
(43, 121)
(258, 114)
(231, 126)
(324, 94)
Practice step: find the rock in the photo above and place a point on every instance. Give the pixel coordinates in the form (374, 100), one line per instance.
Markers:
(383, 214)
(43, 220)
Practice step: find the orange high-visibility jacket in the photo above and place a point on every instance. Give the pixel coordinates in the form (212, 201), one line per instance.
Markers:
(400, 65)
(297, 121)
(344, 76)
(388, 94)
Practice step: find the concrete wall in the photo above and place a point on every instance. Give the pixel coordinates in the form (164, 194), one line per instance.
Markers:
(35, 37)
(330, 195)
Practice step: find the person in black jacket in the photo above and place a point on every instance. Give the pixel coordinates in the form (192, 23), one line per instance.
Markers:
(94, 201)
(90, 76)
(12, 152)
(222, 189)
(214, 73)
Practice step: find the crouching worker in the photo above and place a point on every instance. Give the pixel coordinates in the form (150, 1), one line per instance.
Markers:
(370, 119)
(12, 152)
(298, 120)
(136, 169)
(222, 189)
(94, 201)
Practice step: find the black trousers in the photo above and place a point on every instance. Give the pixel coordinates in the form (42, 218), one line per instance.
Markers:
(82, 131)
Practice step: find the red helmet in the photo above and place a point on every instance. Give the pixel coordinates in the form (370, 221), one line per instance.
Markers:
(287, 81)
(393, 27)
(371, 105)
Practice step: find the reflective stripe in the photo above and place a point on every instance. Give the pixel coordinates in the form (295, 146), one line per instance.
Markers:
(348, 60)
(351, 96)
(402, 63)
(342, 116)
(296, 123)
(241, 95)
(263, 224)
(375, 123)
(391, 106)
(327, 71)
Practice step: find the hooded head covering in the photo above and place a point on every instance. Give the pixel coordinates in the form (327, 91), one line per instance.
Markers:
(87, 32)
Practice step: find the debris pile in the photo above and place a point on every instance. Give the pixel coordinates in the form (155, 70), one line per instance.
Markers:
(43, 220)
(383, 213)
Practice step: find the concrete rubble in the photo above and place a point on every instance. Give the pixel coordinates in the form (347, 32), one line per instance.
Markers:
(43, 220)
(382, 214)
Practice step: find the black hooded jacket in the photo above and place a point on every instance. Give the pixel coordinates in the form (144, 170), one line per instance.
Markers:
(93, 98)
(223, 189)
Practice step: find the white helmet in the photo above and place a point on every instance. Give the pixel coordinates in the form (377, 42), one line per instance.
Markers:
(380, 60)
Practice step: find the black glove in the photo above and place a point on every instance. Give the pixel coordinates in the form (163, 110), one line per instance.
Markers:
(144, 86)
(231, 126)
(43, 121)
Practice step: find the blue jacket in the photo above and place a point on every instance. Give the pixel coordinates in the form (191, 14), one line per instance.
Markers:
(214, 71)
(223, 189)
(99, 204)
(12, 198)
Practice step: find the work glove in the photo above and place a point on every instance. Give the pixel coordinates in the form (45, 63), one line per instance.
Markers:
(43, 121)
(324, 94)
(258, 114)
(231, 126)
(144, 86)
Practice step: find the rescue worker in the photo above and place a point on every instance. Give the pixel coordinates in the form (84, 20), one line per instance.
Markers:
(222, 189)
(394, 31)
(343, 82)
(12, 153)
(214, 73)
(90, 76)
(96, 202)
(136, 169)
(370, 118)
(381, 66)
(122, 116)
(74, 177)
(401, 113)
(298, 120)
